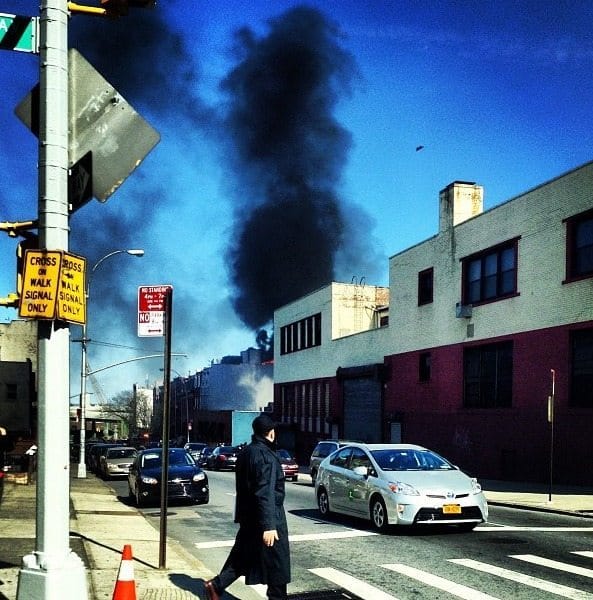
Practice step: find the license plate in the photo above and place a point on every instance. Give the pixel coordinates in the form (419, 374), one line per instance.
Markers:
(451, 509)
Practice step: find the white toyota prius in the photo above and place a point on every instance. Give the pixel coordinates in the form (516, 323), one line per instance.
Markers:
(398, 484)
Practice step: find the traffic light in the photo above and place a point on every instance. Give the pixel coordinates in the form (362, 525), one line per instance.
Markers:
(118, 8)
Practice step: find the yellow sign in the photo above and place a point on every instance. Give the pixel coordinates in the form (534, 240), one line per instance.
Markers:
(40, 284)
(71, 305)
(53, 286)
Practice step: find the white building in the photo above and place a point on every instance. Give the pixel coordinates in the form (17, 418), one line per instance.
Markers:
(486, 318)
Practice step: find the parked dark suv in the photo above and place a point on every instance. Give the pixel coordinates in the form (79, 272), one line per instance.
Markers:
(323, 449)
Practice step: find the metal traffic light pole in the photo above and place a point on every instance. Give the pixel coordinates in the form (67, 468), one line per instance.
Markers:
(52, 568)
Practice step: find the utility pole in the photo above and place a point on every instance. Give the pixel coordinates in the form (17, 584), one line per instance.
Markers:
(52, 568)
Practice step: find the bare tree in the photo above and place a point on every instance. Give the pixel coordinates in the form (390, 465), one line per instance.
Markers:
(123, 408)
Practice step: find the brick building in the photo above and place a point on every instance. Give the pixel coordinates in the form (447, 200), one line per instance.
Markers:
(18, 377)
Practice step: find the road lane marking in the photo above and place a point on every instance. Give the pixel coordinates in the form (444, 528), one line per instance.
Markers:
(356, 586)
(305, 537)
(585, 553)
(330, 535)
(540, 584)
(554, 564)
(506, 528)
(456, 589)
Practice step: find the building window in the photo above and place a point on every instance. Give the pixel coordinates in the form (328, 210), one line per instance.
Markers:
(579, 246)
(301, 335)
(424, 365)
(425, 286)
(581, 384)
(488, 376)
(490, 275)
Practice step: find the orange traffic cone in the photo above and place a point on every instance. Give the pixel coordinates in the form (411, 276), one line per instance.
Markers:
(125, 587)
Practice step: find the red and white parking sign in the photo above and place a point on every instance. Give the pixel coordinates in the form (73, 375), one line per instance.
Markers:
(151, 310)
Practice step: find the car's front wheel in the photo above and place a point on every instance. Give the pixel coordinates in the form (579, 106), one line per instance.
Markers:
(313, 476)
(323, 502)
(379, 514)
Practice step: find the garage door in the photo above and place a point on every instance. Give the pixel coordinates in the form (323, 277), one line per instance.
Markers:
(362, 409)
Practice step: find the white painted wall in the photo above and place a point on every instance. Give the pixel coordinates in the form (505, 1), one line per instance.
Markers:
(543, 301)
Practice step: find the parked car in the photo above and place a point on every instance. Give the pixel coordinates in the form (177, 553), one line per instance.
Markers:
(185, 481)
(1, 483)
(206, 452)
(289, 465)
(95, 453)
(100, 454)
(323, 449)
(195, 449)
(398, 484)
(223, 457)
(117, 461)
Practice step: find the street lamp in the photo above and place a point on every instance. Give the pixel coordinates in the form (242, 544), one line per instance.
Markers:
(83, 366)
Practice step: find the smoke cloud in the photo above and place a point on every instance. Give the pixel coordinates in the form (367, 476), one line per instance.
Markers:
(288, 152)
(285, 227)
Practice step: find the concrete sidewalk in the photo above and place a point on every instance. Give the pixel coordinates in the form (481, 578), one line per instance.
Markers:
(101, 524)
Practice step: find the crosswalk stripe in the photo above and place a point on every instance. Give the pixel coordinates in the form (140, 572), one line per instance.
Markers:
(304, 537)
(356, 586)
(585, 553)
(456, 589)
(554, 564)
(259, 588)
(540, 584)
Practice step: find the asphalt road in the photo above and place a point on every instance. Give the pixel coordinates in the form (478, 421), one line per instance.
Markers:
(518, 554)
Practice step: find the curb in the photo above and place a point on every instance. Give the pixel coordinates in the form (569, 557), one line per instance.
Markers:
(544, 509)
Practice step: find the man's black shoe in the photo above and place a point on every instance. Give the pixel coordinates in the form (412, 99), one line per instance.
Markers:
(211, 590)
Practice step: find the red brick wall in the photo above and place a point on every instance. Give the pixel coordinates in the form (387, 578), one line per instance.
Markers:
(511, 443)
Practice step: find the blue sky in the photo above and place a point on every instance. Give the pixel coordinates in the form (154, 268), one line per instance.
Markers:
(499, 93)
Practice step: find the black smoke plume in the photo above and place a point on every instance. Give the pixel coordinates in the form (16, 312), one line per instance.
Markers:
(288, 153)
(147, 61)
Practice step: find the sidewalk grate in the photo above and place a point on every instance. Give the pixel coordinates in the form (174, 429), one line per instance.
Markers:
(325, 595)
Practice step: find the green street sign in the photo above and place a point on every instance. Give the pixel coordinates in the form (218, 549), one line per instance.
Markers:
(18, 33)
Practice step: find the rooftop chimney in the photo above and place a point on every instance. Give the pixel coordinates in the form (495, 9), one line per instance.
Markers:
(458, 202)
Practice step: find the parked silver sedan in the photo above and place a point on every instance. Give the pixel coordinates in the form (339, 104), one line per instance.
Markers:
(398, 484)
(116, 461)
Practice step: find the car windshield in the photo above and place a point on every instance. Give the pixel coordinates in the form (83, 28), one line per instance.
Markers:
(284, 454)
(121, 453)
(324, 450)
(180, 458)
(227, 450)
(152, 460)
(410, 460)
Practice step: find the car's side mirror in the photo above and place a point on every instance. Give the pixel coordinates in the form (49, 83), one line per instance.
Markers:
(363, 471)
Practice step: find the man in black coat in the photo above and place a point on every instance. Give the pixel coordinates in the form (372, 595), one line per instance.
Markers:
(261, 552)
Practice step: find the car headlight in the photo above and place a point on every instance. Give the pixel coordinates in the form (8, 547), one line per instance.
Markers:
(476, 487)
(403, 488)
(199, 477)
(149, 480)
